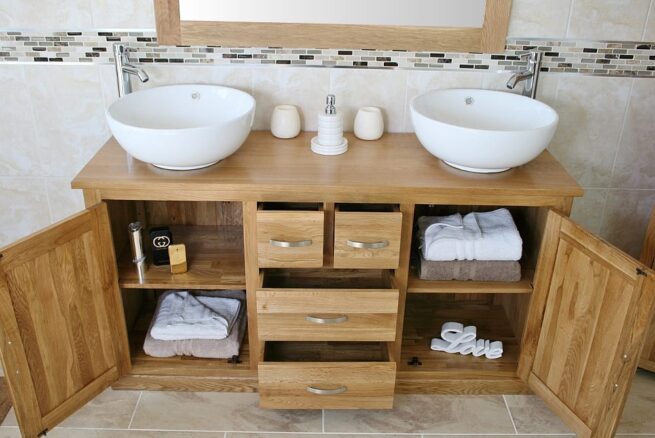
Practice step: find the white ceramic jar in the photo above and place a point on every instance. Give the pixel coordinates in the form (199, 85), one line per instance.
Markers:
(369, 123)
(285, 121)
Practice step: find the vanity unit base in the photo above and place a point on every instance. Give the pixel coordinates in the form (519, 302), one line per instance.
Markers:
(336, 315)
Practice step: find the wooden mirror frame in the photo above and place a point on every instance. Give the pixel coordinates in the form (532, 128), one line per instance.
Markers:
(487, 39)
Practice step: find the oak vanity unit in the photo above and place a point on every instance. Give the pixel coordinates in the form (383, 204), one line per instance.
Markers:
(337, 316)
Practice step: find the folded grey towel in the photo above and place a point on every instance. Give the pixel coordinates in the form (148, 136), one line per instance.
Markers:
(204, 348)
(476, 270)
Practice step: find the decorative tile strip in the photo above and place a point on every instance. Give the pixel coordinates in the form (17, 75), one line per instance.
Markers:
(603, 58)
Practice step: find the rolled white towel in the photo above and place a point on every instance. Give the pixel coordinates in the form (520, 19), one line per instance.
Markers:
(184, 316)
(482, 236)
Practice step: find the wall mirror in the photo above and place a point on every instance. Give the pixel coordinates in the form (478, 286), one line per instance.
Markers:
(430, 25)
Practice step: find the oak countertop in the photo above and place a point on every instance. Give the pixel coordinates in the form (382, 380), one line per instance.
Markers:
(395, 168)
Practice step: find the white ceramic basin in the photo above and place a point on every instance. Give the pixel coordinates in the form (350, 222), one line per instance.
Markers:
(481, 130)
(182, 127)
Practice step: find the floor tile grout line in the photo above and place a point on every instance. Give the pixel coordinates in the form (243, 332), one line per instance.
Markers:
(322, 420)
(138, 400)
(509, 412)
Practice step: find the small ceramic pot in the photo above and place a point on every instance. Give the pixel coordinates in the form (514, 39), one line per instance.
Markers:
(369, 124)
(285, 121)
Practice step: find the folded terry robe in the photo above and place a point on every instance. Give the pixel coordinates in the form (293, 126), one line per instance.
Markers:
(476, 270)
(182, 315)
(478, 236)
(204, 348)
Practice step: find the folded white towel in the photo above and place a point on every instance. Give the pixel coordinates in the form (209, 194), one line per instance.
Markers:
(185, 316)
(482, 236)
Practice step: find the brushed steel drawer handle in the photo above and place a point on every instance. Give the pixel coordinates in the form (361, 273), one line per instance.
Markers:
(366, 245)
(286, 244)
(319, 391)
(318, 320)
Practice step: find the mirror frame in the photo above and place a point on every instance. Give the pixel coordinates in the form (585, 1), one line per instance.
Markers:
(487, 39)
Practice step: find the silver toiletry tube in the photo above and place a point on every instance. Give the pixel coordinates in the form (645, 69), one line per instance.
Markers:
(136, 243)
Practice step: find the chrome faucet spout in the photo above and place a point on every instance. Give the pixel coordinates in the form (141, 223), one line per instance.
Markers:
(136, 71)
(124, 70)
(529, 76)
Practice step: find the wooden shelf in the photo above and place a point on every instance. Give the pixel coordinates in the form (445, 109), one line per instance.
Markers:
(418, 286)
(424, 317)
(215, 260)
(142, 364)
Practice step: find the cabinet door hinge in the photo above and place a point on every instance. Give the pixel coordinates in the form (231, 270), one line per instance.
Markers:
(44, 433)
(641, 272)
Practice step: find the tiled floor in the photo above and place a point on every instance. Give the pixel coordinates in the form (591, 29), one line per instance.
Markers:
(127, 414)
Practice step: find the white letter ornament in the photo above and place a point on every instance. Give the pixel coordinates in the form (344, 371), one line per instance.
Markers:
(455, 338)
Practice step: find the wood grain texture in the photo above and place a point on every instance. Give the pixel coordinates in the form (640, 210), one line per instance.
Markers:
(591, 325)
(424, 316)
(60, 300)
(371, 314)
(290, 226)
(524, 286)
(647, 361)
(496, 24)
(400, 276)
(167, 16)
(408, 382)
(5, 399)
(253, 280)
(244, 34)
(396, 169)
(214, 256)
(136, 382)
(365, 227)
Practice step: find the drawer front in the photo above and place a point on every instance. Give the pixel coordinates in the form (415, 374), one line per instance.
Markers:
(367, 240)
(290, 239)
(330, 385)
(327, 314)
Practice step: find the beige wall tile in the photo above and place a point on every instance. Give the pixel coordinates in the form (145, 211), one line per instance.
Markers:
(63, 200)
(538, 18)
(123, 14)
(236, 77)
(591, 111)
(218, 411)
(626, 218)
(635, 162)
(588, 210)
(427, 414)
(69, 14)
(638, 412)
(531, 415)
(608, 19)
(649, 31)
(304, 87)
(420, 82)
(69, 114)
(382, 88)
(18, 148)
(24, 207)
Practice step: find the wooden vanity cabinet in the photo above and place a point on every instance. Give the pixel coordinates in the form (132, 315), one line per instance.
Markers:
(573, 326)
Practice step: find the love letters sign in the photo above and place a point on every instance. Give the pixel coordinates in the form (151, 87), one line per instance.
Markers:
(455, 338)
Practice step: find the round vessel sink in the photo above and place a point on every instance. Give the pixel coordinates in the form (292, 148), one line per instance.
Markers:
(481, 130)
(182, 127)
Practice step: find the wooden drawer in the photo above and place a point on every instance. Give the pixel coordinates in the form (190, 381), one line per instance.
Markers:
(290, 239)
(367, 240)
(325, 305)
(304, 375)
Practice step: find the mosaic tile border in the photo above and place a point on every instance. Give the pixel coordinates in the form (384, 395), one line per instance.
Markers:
(602, 58)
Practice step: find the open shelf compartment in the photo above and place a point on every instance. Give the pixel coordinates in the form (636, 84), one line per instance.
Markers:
(424, 316)
(143, 364)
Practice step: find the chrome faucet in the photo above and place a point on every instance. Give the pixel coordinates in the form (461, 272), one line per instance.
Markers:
(530, 75)
(124, 69)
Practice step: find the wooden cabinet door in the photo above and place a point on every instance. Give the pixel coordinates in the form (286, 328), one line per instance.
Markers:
(586, 325)
(62, 335)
